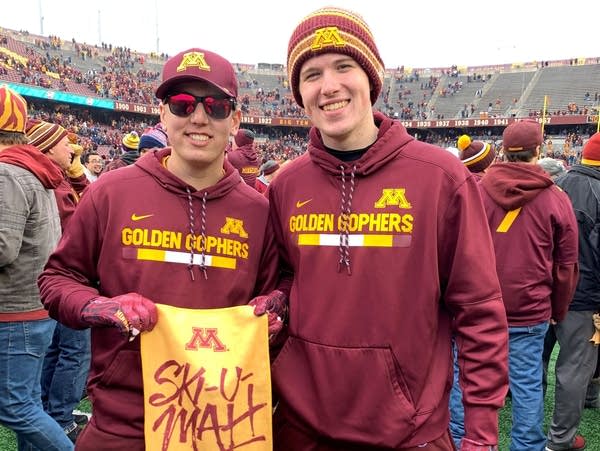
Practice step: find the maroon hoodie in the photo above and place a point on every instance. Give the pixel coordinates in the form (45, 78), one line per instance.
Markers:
(131, 233)
(536, 244)
(369, 359)
(245, 160)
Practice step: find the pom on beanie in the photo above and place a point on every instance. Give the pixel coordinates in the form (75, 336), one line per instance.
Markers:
(591, 151)
(475, 155)
(44, 135)
(334, 30)
(131, 141)
(13, 111)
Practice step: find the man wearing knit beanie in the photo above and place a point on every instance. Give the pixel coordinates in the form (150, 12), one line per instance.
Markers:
(30, 232)
(68, 357)
(243, 156)
(475, 155)
(53, 141)
(526, 212)
(368, 199)
(577, 357)
(267, 172)
(153, 138)
(129, 147)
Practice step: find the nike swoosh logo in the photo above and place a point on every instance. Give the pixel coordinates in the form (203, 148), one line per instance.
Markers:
(302, 204)
(135, 217)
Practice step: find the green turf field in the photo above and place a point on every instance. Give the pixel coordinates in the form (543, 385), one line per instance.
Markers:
(590, 424)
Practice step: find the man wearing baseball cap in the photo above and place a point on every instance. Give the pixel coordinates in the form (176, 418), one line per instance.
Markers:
(535, 241)
(388, 257)
(98, 279)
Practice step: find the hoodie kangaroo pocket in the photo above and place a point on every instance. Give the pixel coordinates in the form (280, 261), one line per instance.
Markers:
(345, 393)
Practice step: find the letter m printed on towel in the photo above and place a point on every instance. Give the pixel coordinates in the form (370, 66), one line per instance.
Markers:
(206, 338)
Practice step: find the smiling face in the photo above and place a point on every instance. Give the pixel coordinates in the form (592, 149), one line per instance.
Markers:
(94, 164)
(61, 153)
(198, 141)
(336, 94)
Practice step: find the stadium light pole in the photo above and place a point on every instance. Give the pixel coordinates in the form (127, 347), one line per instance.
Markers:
(156, 15)
(99, 30)
(41, 18)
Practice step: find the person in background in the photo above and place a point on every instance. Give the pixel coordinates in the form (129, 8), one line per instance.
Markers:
(29, 232)
(243, 156)
(99, 277)
(477, 156)
(93, 166)
(129, 155)
(577, 357)
(67, 359)
(535, 240)
(153, 138)
(552, 166)
(268, 170)
(53, 141)
(371, 226)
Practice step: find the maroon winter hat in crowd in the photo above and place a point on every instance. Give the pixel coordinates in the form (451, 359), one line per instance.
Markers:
(44, 135)
(591, 151)
(334, 30)
(269, 167)
(475, 155)
(244, 137)
(522, 135)
(198, 64)
(13, 111)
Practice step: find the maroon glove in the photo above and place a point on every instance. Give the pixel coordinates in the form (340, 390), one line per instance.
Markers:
(275, 306)
(131, 313)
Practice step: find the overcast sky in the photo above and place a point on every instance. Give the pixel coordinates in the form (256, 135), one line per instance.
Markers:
(413, 33)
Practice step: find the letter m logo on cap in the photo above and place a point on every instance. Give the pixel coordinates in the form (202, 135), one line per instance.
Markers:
(193, 59)
(326, 37)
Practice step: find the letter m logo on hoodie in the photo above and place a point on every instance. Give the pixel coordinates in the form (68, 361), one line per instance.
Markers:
(234, 226)
(205, 338)
(393, 196)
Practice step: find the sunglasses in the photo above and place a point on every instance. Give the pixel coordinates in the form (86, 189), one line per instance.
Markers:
(183, 105)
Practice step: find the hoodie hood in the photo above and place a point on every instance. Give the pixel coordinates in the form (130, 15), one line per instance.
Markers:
(512, 185)
(378, 154)
(152, 164)
(249, 152)
(30, 158)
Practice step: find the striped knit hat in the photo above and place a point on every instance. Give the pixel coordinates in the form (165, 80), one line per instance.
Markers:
(13, 111)
(334, 30)
(130, 141)
(475, 155)
(44, 135)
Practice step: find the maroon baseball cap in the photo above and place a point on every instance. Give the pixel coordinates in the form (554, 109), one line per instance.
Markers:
(198, 64)
(522, 135)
